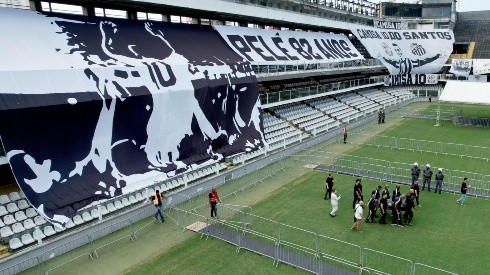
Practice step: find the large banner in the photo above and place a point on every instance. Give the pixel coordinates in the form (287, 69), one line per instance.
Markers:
(407, 51)
(411, 79)
(269, 47)
(461, 67)
(93, 108)
(481, 66)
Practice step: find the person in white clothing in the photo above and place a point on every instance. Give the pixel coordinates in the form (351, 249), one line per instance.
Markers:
(335, 203)
(358, 215)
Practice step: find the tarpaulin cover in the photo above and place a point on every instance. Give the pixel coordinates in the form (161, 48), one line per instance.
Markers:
(93, 108)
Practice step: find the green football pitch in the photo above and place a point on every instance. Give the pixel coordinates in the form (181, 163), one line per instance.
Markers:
(444, 234)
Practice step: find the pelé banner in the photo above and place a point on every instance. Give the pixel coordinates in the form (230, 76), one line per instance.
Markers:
(276, 47)
(407, 51)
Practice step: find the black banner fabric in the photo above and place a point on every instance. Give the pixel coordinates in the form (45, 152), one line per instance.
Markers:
(95, 108)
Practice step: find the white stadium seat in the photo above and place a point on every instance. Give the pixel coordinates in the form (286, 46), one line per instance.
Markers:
(4, 199)
(49, 231)
(125, 202)
(8, 219)
(70, 224)
(23, 204)
(103, 210)
(27, 239)
(14, 196)
(28, 224)
(20, 216)
(110, 207)
(139, 197)
(3, 210)
(118, 204)
(77, 219)
(6, 232)
(38, 220)
(15, 243)
(94, 213)
(17, 228)
(31, 212)
(132, 199)
(87, 217)
(12, 207)
(38, 234)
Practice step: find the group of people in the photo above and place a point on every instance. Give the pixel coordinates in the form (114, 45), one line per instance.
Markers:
(380, 199)
(401, 205)
(427, 172)
(158, 198)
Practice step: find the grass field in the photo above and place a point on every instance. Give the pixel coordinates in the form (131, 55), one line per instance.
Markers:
(444, 233)
(475, 110)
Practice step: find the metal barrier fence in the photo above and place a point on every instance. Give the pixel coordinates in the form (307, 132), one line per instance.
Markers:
(392, 171)
(21, 266)
(301, 248)
(49, 260)
(419, 145)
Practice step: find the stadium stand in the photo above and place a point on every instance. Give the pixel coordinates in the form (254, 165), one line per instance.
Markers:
(473, 27)
(21, 226)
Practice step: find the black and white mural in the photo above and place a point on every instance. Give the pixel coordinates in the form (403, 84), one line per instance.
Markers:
(407, 51)
(93, 108)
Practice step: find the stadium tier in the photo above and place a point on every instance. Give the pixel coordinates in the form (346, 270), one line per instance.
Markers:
(127, 99)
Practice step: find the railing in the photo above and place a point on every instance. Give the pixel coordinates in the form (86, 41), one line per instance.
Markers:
(301, 248)
(290, 94)
(264, 70)
(419, 145)
(392, 171)
(330, 5)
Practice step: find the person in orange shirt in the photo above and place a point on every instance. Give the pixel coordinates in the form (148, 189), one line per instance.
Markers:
(157, 201)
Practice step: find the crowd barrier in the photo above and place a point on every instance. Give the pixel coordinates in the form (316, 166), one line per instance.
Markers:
(418, 145)
(303, 249)
(392, 171)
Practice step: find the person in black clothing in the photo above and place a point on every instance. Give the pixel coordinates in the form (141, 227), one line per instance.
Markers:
(464, 188)
(439, 179)
(409, 205)
(396, 192)
(383, 115)
(396, 211)
(427, 177)
(371, 208)
(416, 188)
(386, 191)
(377, 193)
(383, 206)
(380, 115)
(357, 192)
(415, 172)
(345, 132)
(329, 186)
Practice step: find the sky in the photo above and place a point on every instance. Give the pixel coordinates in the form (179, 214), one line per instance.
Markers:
(472, 5)
(463, 5)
